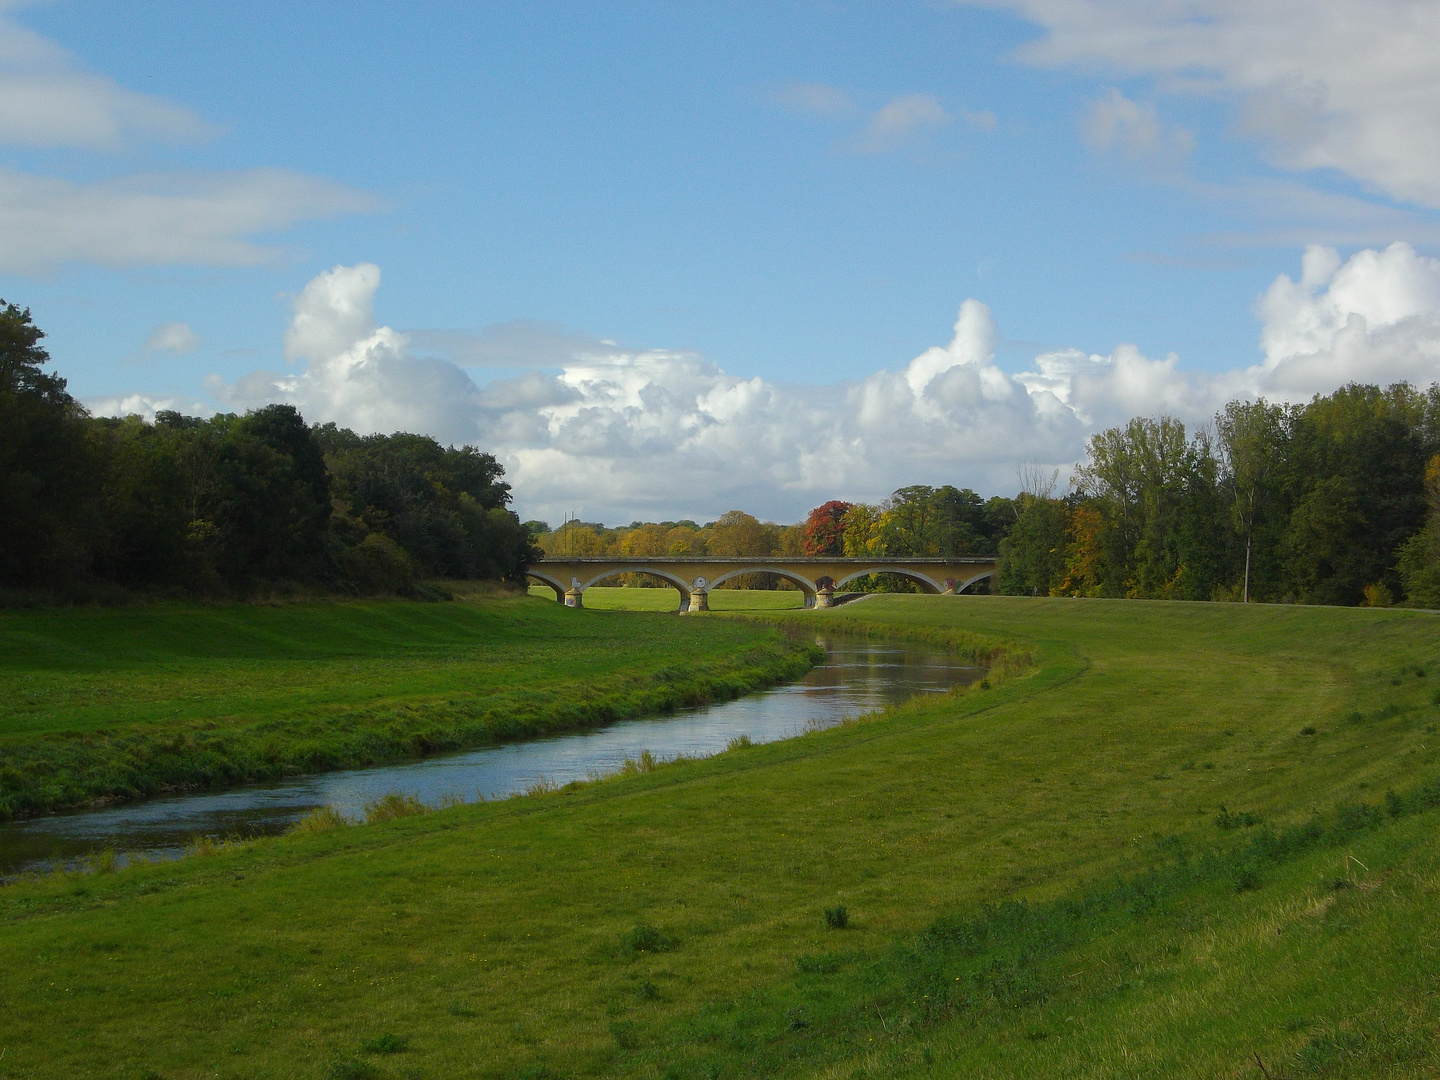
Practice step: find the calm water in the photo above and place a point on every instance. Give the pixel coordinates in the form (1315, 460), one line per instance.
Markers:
(856, 678)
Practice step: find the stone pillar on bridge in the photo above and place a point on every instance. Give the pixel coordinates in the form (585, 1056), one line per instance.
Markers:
(699, 595)
(825, 593)
(949, 587)
(573, 594)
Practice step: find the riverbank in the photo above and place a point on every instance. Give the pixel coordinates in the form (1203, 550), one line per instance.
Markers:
(1168, 850)
(124, 703)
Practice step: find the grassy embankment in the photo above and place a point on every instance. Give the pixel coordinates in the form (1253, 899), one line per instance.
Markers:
(1039, 881)
(124, 702)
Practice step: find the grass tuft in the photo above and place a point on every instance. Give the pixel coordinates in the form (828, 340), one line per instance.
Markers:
(322, 819)
(392, 806)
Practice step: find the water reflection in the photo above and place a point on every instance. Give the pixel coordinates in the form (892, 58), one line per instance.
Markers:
(857, 677)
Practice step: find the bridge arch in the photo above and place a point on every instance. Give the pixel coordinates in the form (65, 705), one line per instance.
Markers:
(546, 579)
(806, 585)
(664, 575)
(991, 574)
(930, 584)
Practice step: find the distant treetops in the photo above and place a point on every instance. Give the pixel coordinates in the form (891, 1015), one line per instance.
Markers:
(231, 503)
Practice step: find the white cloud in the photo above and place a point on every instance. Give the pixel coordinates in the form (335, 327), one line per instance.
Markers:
(209, 219)
(1349, 85)
(196, 219)
(623, 434)
(47, 100)
(175, 338)
(1116, 122)
(900, 120)
(146, 405)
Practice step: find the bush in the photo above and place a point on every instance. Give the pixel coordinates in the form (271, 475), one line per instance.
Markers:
(739, 742)
(378, 565)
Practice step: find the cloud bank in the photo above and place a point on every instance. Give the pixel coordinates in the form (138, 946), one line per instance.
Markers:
(1348, 85)
(621, 434)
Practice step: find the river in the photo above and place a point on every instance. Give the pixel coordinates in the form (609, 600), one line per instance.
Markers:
(856, 677)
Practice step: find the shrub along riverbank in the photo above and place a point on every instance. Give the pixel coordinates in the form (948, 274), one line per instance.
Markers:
(124, 703)
(1191, 840)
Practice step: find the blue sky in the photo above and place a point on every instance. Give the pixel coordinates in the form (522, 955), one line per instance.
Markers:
(800, 194)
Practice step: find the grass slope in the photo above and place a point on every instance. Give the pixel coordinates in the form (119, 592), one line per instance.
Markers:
(123, 702)
(1036, 880)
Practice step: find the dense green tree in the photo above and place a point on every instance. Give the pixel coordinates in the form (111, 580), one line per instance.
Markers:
(48, 476)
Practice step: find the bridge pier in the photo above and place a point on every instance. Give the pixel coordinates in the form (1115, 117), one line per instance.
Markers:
(825, 597)
(572, 597)
(699, 600)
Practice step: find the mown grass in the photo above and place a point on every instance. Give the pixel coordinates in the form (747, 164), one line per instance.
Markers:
(125, 702)
(1037, 880)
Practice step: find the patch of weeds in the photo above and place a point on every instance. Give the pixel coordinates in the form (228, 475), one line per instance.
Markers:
(1395, 806)
(1297, 1023)
(624, 1033)
(104, 862)
(1229, 731)
(1429, 729)
(1308, 729)
(1037, 1035)
(1385, 712)
(543, 786)
(1207, 765)
(648, 939)
(1435, 696)
(350, 1069)
(1247, 876)
(646, 763)
(837, 918)
(1354, 716)
(824, 964)
(1187, 766)
(457, 1009)
(1236, 819)
(795, 1018)
(392, 806)
(739, 742)
(320, 820)
(386, 1044)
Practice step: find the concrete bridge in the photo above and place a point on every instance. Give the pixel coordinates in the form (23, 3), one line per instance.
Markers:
(695, 575)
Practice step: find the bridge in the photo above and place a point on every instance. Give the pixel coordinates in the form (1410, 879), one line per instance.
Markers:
(695, 575)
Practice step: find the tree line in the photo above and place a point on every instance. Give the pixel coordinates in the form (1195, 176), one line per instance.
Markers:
(229, 504)
(1336, 501)
(1330, 502)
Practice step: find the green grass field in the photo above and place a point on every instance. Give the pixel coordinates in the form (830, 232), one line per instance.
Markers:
(122, 702)
(1038, 878)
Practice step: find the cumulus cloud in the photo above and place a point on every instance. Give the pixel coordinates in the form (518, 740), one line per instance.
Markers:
(1340, 84)
(204, 219)
(174, 338)
(620, 434)
(145, 405)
